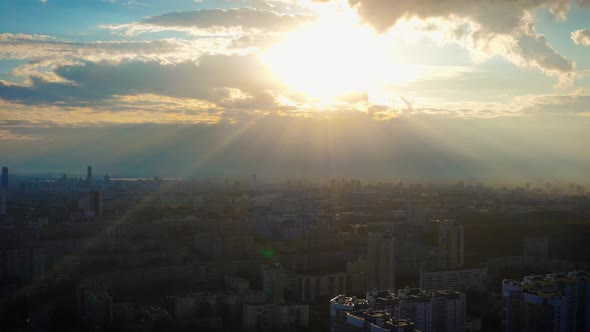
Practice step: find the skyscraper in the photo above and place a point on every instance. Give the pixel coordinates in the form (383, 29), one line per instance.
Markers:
(273, 283)
(450, 245)
(89, 175)
(381, 258)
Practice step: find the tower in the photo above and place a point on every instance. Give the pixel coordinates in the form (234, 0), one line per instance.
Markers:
(450, 245)
(381, 258)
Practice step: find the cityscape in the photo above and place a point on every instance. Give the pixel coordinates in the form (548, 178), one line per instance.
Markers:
(295, 165)
(100, 253)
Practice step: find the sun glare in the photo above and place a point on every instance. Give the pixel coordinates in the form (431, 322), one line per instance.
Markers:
(336, 56)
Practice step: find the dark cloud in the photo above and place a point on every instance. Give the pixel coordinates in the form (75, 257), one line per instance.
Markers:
(536, 48)
(221, 79)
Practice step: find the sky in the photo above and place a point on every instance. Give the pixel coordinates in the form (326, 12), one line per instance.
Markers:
(458, 89)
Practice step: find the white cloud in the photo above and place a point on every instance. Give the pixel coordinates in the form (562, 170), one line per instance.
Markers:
(581, 37)
(499, 28)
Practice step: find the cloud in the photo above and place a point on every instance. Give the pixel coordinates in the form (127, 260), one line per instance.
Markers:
(7, 135)
(49, 50)
(44, 54)
(216, 22)
(227, 80)
(23, 36)
(534, 50)
(486, 28)
(581, 37)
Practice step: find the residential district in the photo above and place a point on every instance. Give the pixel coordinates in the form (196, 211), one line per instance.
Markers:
(95, 253)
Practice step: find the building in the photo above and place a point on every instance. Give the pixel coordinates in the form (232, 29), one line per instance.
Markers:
(312, 286)
(94, 209)
(450, 245)
(236, 283)
(191, 307)
(223, 246)
(440, 311)
(580, 319)
(418, 216)
(555, 302)
(381, 261)
(356, 276)
(414, 304)
(340, 306)
(377, 321)
(448, 311)
(23, 264)
(266, 316)
(536, 246)
(474, 279)
(432, 311)
(472, 324)
(96, 305)
(182, 307)
(273, 283)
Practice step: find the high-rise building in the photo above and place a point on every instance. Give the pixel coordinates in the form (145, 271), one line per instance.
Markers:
(555, 302)
(340, 306)
(356, 276)
(273, 283)
(448, 308)
(450, 245)
(581, 307)
(94, 203)
(441, 311)
(311, 286)
(89, 175)
(4, 178)
(381, 261)
(418, 216)
(474, 279)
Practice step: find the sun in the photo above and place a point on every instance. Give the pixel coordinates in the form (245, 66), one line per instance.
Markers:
(324, 60)
(334, 57)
